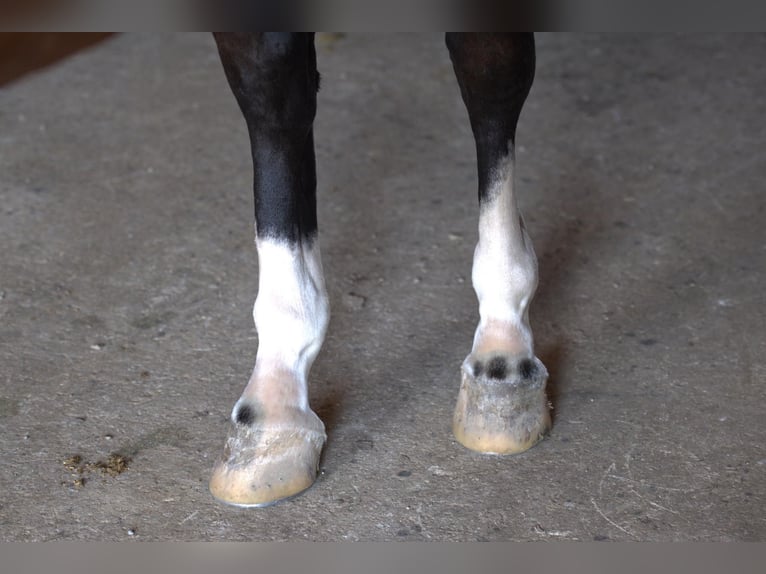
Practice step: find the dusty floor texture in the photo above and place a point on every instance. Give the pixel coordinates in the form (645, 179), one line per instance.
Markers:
(128, 273)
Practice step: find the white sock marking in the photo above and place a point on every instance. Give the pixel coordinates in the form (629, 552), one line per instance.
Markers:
(504, 270)
(291, 314)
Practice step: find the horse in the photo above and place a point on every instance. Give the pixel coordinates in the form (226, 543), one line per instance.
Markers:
(273, 448)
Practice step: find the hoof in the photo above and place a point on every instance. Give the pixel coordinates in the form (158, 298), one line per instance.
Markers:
(502, 407)
(265, 463)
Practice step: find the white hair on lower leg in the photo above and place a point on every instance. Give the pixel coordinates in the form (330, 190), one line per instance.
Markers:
(291, 314)
(504, 265)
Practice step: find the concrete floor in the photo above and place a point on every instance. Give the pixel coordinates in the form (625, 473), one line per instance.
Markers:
(128, 273)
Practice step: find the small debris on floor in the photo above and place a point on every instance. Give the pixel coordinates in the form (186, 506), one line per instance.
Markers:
(114, 465)
(72, 462)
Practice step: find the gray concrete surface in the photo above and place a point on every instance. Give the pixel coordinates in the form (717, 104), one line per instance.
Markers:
(128, 273)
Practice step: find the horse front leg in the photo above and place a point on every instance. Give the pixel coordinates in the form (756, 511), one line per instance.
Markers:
(274, 447)
(501, 406)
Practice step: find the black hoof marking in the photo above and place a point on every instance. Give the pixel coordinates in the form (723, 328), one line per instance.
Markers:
(497, 368)
(245, 415)
(477, 368)
(527, 368)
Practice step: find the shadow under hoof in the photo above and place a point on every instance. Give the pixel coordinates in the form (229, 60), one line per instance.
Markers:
(502, 407)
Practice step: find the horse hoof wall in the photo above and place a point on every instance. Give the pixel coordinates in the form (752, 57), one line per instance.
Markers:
(264, 465)
(502, 410)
